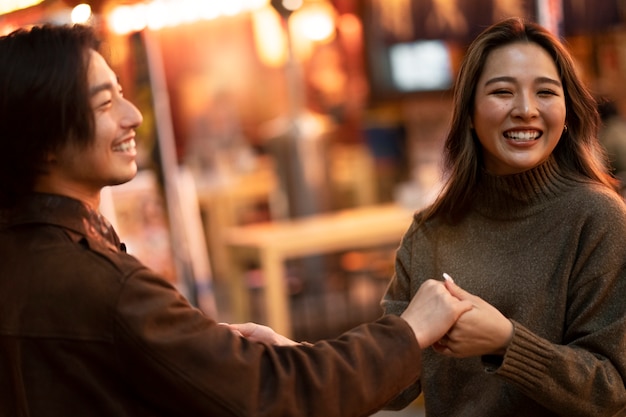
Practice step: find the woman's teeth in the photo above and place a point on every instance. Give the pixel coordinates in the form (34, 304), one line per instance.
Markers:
(522, 136)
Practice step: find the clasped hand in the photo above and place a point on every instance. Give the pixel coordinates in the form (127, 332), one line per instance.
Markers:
(483, 330)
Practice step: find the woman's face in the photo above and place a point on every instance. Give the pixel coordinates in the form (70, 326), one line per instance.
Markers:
(519, 108)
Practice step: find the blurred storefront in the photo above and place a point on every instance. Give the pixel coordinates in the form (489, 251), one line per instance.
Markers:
(259, 110)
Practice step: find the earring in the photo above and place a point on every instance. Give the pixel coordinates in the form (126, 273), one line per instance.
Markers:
(564, 128)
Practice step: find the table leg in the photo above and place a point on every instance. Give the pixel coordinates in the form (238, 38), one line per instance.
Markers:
(239, 291)
(276, 294)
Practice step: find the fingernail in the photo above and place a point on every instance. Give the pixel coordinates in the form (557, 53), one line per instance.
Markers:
(447, 277)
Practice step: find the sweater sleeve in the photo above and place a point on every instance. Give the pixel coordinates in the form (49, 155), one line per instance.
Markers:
(589, 362)
(559, 376)
(186, 364)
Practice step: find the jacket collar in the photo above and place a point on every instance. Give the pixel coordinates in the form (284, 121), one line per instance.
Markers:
(68, 213)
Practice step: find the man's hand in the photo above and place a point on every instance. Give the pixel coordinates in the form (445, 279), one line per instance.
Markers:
(432, 311)
(481, 331)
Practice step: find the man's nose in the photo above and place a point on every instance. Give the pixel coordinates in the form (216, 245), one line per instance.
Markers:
(132, 116)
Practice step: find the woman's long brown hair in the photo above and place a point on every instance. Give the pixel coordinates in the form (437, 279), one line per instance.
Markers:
(578, 151)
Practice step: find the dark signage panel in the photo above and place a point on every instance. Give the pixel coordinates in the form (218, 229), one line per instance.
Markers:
(411, 45)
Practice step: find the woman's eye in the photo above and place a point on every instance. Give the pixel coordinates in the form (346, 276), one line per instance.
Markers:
(500, 92)
(547, 93)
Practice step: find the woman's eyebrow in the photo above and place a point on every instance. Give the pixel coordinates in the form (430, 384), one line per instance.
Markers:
(499, 79)
(548, 80)
(539, 80)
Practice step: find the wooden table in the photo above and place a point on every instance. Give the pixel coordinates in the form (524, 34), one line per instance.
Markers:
(275, 242)
(221, 201)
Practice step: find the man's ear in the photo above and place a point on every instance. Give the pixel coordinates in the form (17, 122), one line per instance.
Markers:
(50, 158)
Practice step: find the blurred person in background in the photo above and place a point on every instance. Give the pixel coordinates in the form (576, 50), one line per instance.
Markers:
(531, 226)
(613, 138)
(87, 330)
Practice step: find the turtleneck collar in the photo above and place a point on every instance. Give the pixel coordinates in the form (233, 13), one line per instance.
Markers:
(522, 194)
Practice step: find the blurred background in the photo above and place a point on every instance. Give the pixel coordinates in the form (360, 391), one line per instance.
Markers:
(286, 143)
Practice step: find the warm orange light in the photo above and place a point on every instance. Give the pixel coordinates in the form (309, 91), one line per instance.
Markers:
(8, 6)
(127, 19)
(292, 4)
(269, 37)
(349, 25)
(81, 13)
(233, 7)
(5, 29)
(158, 14)
(315, 21)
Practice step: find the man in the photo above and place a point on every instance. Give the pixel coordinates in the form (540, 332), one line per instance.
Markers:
(85, 329)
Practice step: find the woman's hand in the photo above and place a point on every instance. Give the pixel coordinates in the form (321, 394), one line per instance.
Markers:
(259, 333)
(483, 330)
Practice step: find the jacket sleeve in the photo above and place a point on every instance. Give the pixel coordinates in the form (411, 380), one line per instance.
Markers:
(186, 364)
(395, 300)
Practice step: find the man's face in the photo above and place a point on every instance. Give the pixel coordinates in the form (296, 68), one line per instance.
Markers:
(110, 159)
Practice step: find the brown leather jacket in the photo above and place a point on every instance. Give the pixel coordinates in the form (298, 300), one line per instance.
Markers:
(87, 330)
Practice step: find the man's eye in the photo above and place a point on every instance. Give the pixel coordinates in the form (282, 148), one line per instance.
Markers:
(105, 103)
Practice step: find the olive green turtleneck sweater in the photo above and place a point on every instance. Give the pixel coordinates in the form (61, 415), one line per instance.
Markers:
(549, 252)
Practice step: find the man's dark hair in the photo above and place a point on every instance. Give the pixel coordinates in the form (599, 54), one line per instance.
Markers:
(44, 101)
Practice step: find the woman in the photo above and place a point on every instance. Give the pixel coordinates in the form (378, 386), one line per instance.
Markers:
(531, 226)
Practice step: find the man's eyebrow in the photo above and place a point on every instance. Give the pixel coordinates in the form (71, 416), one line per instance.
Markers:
(102, 87)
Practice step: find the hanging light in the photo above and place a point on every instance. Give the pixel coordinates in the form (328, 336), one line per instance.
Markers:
(81, 13)
(315, 21)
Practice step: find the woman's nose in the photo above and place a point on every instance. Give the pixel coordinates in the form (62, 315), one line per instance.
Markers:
(525, 106)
